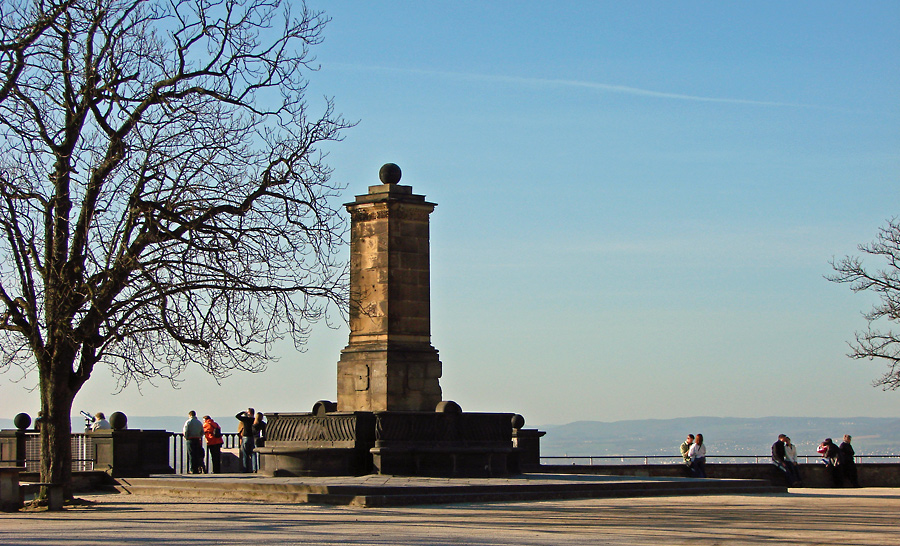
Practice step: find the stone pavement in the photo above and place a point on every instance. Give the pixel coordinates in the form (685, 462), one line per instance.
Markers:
(803, 516)
(377, 490)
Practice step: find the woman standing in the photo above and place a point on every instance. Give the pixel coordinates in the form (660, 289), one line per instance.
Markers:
(214, 441)
(259, 435)
(697, 454)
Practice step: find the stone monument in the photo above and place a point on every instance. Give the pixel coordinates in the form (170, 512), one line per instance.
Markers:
(389, 417)
(389, 363)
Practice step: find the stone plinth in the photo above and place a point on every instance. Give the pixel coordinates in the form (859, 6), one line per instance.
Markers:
(12, 448)
(10, 492)
(131, 453)
(307, 444)
(401, 443)
(389, 363)
(527, 448)
(442, 444)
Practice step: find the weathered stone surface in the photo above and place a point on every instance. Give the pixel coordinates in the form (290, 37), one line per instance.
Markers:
(389, 363)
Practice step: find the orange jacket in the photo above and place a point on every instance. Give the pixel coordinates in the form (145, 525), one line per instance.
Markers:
(209, 429)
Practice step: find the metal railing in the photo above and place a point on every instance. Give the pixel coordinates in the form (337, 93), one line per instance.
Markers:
(83, 455)
(677, 459)
(178, 450)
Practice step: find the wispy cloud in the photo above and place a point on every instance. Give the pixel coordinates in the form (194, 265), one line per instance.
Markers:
(545, 82)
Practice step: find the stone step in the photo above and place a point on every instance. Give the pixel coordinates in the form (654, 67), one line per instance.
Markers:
(292, 491)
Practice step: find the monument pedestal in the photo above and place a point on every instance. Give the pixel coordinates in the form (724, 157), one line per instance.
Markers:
(308, 444)
(442, 444)
(387, 442)
(381, 376)
(131, 453)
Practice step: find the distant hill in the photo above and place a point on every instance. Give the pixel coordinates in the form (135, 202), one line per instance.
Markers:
(723, 435)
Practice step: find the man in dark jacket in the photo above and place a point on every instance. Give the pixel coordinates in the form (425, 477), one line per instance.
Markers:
(848, 465)
(245, 428)
(778, 460)
(833, 461)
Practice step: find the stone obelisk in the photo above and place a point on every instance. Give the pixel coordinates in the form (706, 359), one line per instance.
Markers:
(389, 363)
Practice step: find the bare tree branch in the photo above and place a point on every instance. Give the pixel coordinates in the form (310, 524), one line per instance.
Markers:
(874, 342)
(164, 200)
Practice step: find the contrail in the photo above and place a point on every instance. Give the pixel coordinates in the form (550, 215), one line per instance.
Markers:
(621, 89)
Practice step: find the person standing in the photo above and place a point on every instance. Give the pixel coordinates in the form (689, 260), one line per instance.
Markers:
(697, 454)
(100, 422)
(245, 430)
(259, 435)
(193, 435)
(214, 441)
(848, 464)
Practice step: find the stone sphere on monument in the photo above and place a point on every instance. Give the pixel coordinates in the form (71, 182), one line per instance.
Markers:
(448, 406)
(22, 421)
(389, 173)
(518, 421)
(118, 421)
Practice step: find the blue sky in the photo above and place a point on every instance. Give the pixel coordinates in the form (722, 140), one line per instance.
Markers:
(637, 202)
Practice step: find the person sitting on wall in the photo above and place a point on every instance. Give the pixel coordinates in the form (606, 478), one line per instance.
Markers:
(790, 462)
(833, 462)
(100, 422)
(779, 459)
(848, 464)
(685, 447)
(697, 454)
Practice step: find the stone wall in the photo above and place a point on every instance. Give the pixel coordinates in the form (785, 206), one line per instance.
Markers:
(813, 475)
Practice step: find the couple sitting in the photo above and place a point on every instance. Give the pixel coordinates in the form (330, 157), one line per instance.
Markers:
(784, 455)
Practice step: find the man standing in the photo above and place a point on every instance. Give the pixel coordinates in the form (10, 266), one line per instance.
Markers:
(848, 461)
(245, 429)
(685, 447)
(193, 433)
(214, 441)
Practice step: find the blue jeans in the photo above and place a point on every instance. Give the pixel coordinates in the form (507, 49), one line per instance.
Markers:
(698, 467)
(247, 445)
(195, 455)
(791, 471)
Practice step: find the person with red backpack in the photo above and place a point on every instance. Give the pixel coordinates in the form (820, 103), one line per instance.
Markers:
(214, 441)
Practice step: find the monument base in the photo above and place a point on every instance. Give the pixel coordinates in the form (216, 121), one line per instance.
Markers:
(388, 442)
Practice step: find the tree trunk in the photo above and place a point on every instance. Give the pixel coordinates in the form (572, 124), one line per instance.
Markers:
(56, 433)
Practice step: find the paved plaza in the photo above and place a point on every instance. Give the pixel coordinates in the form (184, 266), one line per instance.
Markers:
(866, 516)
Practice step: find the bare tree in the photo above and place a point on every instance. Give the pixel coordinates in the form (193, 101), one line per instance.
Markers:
(163, 196)
(875, 342)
